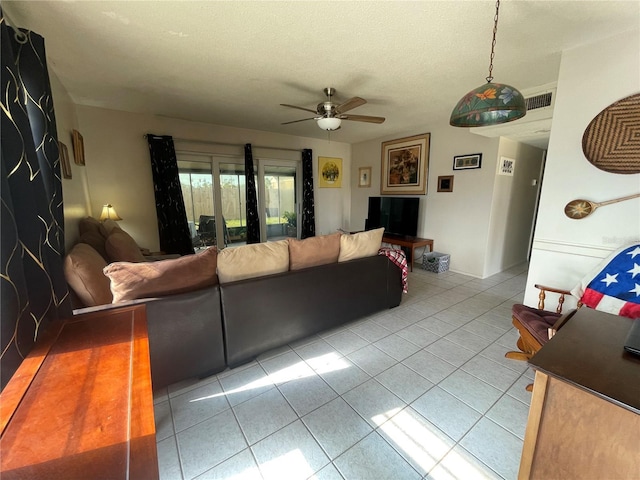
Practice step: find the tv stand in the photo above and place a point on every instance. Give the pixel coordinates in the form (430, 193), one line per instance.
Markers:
(410, 242)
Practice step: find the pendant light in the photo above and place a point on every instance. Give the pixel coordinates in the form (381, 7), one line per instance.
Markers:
(491, 103)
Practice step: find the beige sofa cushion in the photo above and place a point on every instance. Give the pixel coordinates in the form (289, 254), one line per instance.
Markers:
(108, 226)
(83, 272)
(95, 239)
(89, 224)
(313, 251)
(255, 260)
(151, 279)
(121, 247)
(360, 245)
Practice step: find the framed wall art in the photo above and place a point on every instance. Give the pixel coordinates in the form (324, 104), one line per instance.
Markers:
(329, 172)
(445, 183)
(405, 164)
(78, 148)
(465, 162)
(506, 166)
(65, 166)
(364, 177)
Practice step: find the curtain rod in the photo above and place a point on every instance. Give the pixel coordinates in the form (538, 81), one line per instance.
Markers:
(210, 142)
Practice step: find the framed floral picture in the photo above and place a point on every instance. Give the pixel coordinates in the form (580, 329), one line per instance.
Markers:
(329, 172)
(405, 164)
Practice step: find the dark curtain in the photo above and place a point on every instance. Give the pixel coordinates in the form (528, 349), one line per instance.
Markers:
(173, 228)
(32, 284)
(308, 207)
(253, 221)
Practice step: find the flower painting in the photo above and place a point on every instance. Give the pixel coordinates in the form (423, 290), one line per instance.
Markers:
(405, 163)
(329, 172)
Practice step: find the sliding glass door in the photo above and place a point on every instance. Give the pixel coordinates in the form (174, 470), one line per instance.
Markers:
(212, 184)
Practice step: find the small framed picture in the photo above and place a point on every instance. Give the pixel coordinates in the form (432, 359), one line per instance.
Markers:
(65, 166)
(78, 148)
(506, 166)
(445, 183)
(466, 162)
(364, 177)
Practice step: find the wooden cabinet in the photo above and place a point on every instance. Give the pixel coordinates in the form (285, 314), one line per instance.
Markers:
(584, 420)
(81, 404)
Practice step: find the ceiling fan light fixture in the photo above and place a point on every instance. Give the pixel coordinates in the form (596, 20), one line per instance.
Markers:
(329, 123)
(491, 103)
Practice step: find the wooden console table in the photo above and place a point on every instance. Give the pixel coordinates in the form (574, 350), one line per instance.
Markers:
(80, 405)
(584, 419)
(409, 242)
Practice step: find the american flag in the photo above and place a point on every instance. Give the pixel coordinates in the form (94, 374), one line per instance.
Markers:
(614, 286)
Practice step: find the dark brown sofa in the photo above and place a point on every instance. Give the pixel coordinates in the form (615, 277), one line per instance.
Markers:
(262, 313)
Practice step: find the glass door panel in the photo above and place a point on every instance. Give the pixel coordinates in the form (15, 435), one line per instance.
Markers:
(280, 204)
(196, 182)
(233, 196)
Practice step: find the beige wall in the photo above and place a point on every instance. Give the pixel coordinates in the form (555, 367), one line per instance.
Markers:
(458, 221)
(75, 190)
(564, 250)
(513, 206)
(118, 167)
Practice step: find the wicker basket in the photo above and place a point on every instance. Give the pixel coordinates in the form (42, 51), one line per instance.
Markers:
(436, 262)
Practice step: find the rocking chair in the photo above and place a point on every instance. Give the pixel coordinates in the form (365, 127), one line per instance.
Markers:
(537, 326)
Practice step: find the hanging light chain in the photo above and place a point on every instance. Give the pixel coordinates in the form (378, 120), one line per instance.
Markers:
(493, 42)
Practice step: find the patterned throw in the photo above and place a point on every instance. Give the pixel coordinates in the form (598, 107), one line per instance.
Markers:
(614, 286)
(398, 257)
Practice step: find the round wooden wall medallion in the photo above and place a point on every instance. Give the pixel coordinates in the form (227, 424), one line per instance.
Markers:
(611, 142)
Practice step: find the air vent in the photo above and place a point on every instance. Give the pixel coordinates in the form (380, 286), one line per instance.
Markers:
(538, 101)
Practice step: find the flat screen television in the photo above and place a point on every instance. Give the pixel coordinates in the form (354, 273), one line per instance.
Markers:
(398, 215)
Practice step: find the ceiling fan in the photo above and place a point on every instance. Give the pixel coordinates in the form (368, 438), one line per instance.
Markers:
(329, 115)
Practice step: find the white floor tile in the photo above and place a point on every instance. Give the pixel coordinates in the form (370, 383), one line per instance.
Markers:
(345, 429)
(374, 402)
(240, 466)
(446, 412)
(404, 382)
(495, 447)
(467, 410)
(289, 454)
(373, 457)
(209, 443)
(263, 415)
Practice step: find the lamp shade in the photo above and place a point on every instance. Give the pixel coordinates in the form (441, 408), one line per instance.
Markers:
(489, 104)
(109, 213)
(329, 123)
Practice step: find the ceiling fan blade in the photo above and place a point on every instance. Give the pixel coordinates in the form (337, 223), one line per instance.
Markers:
(299, 108)
(296, 121)
(350, 104)
(363, 118)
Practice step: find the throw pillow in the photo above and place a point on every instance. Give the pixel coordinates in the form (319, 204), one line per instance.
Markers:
(255, 260)
(89, 224)
(165, 277)
(108, 226)
(83, 272)
(313, 251)
(360, 245)
(121, 247)
(95, 239)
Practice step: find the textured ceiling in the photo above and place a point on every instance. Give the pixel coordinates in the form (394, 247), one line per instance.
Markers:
(233, 62)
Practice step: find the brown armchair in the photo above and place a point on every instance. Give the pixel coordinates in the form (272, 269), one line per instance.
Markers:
(537, 326)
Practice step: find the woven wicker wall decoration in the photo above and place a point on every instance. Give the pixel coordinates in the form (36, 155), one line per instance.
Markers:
(611, 141)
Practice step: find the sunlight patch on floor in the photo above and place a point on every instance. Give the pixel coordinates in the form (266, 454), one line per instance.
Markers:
(411, 433)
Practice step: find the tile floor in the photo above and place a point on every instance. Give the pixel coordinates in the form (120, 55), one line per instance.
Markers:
(419, 391)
